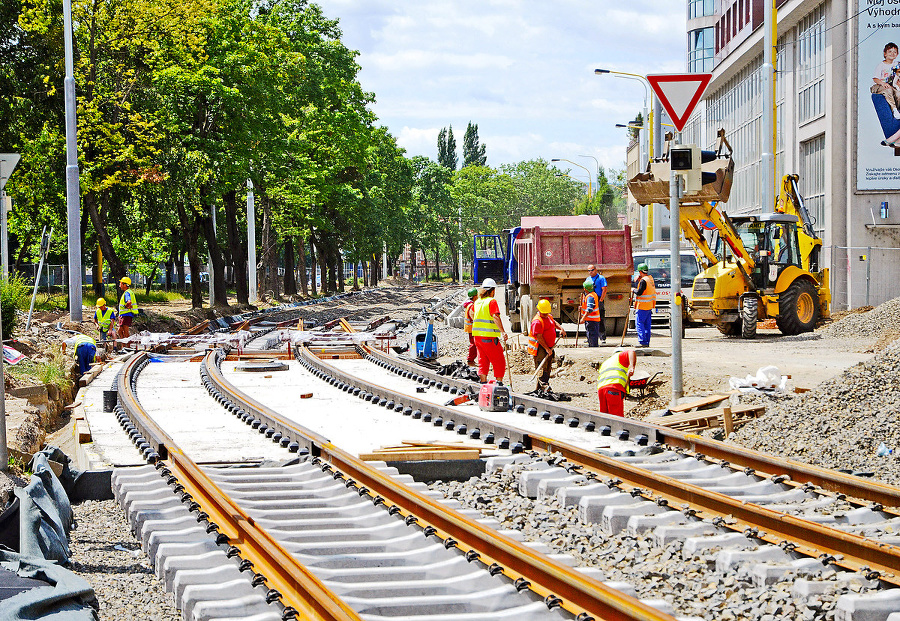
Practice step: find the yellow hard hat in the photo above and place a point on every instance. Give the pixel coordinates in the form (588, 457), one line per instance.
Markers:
(543, 306)
(101, 302)
(126, 280)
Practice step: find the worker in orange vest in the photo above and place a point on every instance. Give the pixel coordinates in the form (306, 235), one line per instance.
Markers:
(469, 313)
(590, 313)
(541, 339)
(645, 302)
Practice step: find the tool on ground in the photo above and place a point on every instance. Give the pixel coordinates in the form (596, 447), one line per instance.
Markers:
(508, 369)
(493, 397)
(426, 342)
(469, 395)
(625, 329)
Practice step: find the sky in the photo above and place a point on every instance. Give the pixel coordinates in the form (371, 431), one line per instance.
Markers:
(522, 71)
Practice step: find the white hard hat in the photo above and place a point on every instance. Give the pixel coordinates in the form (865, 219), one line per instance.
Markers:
(489, 284)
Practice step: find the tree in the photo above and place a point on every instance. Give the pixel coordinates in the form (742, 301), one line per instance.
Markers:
(634, 132)
(447, 149)
(606, 201)
(473, 153)
(541, 190)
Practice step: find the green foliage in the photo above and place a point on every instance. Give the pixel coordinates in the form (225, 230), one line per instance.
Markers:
(473, 153)
(13, 297)
(53, 371)
(607, 201)
(447, 149)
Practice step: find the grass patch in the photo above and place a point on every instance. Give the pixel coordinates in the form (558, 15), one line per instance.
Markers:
(53, 371)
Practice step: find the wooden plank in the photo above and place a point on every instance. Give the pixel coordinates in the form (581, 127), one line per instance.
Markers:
(709, 418)
(432, 455)
(710, 400)
(728, 421)
(82, 431)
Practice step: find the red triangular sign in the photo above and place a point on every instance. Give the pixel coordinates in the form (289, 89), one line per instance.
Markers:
(679, 93)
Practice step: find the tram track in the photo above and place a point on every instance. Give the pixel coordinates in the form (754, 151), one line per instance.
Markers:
(522, 572)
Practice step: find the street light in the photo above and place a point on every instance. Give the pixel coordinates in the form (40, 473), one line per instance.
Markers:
(590, 185)
(598, 167)
(646, 145)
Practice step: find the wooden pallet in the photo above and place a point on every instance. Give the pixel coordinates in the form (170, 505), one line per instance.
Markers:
(423, 451)
(729, 418)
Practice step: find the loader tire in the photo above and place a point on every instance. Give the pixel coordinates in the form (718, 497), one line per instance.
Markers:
(749, 316)
(730, 328)
(798, 308)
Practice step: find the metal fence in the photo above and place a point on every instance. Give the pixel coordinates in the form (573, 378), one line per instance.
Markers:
(863, 275)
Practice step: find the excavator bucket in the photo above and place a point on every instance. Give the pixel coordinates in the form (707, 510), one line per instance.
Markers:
(653, 187)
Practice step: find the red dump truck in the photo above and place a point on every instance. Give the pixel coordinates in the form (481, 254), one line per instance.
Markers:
(547, 257)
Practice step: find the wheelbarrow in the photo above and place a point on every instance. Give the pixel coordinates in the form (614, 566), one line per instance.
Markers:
(644, 383)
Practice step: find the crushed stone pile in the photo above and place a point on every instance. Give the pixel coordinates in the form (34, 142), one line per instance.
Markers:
(883, 318)
(841, 424)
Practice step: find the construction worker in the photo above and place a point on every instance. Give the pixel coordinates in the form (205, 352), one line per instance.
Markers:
(590, 314)
(84, 349)
(600, 286)
(487, 329)
(541, 339)
(613, 379)
(645, 302)
(128, 309)
(104, 318)
(469, 313)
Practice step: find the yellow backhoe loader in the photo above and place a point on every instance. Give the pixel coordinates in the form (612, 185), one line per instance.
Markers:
(755, 267)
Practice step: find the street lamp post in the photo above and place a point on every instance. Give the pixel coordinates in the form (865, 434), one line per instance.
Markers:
(73, 188)
(590, 185)
(598, 168)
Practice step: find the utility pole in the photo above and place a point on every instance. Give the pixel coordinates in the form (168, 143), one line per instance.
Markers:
(73, 187)
(251, 243)
(770, 27)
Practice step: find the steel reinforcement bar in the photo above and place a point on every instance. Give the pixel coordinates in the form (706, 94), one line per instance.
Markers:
(848, 550)
(556, 584)
(741, 458)
(300, 592)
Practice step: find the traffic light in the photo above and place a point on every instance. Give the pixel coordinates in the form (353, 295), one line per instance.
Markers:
(688, 160)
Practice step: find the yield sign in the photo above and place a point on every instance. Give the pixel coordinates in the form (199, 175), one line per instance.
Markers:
(679, 93)
(8, 163)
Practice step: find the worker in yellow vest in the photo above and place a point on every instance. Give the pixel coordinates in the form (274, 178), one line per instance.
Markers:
(104, 319)
(541, 339)
(612, 381)
(84, 349)
(469, 313)
(128, 309)
(487, 329)
(645, 302)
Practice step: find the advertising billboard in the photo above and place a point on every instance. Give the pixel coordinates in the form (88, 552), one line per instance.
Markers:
(878, 112)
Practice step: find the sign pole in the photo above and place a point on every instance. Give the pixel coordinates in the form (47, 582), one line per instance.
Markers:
(675, 286)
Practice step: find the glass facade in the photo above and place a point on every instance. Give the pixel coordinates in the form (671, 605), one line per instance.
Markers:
(811, 66)
(737, 107)
(701, 48)
(701, 8)
(812, 180)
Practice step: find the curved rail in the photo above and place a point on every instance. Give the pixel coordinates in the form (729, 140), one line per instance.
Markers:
(299, 590)
(739, 457)
(848, 550)
(557, 584)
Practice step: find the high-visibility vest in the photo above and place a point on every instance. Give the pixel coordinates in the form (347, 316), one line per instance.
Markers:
(483, 324)
(126, 297)
(81, 339)
(613, 373)
(532, 341)
(647, 300)
(104, 318)
(594, 315)
(470, 316)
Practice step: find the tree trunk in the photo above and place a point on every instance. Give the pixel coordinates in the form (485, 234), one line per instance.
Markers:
(301, 266)
(116, 267)
(170, 265)
(437, 263)
(356, 266)
(179, 266)
(365, 271)
(97, 273)
(238, 245)
(269, 280)
(191, 226)
(290, 282)
(312, 266)
(150, 279)
(215, 254)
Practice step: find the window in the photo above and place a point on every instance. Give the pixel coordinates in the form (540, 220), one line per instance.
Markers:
(701, 48)
(811, 66)
(812, 180)
(700, 8)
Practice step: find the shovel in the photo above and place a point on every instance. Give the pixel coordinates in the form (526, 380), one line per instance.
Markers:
(508, 369)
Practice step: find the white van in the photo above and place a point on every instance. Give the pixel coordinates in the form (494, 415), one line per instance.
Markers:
(659, 265)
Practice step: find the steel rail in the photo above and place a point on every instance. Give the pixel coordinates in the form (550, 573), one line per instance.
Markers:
(847, 550)
(297, 586)
(553, 581)
(741, 458)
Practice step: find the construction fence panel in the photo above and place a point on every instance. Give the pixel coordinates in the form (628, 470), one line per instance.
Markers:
(863, 276)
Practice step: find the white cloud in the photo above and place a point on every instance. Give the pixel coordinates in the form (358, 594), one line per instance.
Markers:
(523, 71)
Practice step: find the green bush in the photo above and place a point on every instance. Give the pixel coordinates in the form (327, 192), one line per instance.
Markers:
(13, 296)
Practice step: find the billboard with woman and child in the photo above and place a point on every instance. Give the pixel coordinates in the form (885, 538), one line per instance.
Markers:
(878, 71)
